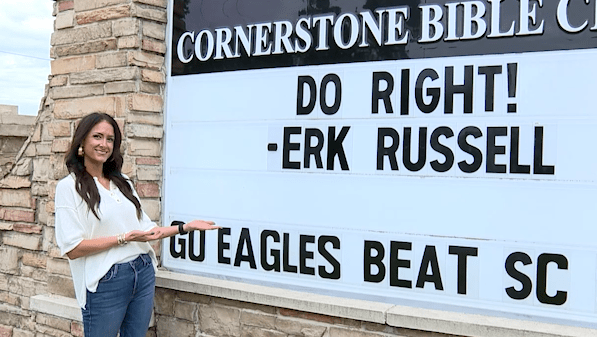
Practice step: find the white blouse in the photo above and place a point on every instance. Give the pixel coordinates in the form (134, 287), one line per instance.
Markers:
(75, 222)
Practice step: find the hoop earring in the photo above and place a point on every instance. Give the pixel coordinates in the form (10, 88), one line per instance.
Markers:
(80, 152)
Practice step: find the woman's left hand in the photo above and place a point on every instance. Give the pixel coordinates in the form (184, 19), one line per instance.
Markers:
(200, 225)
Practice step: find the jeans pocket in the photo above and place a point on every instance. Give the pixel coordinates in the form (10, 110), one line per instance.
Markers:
(110, 274)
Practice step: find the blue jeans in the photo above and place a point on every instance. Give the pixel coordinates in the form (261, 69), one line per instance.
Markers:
(123, 301)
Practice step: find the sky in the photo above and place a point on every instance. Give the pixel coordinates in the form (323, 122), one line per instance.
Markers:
(25, 30)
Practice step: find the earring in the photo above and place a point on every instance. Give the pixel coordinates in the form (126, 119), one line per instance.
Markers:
(80, 152)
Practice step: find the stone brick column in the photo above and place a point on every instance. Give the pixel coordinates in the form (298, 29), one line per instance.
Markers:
(108, 56)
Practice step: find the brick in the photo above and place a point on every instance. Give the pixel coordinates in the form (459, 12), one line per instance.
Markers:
(111, 60)
(27, 241)
(151, 88)
(148, 161)
(64, 19)
(120, 87)
(94, 4)
(5, 331)
(22, 333)
(149, 13)
(9, 260)
(185, 310)
(153, 45)
(104, 75)
(103, 14)
(71, 109)
(46, 331)
(66, 5)
(172, 327)
(219, 321)
(342, 332)
(9, 214)
(144, 102)
(43, 149)
(143, 147)
(15, 198)
(148, 190)
(26, 287)
(149, 173)
(86, 47)
(77, 91)
(251, 331)
(128, 42)
(59, 266)
(59, 129)
(154, 30)
(144, 131)
(296, 327)
(60, 145)
(153, 76)
(258, 319)
(164, 301)
(81, 34)
(61, 285)
(34, 260)
(15, 182)
(72, 64)
(124, 27)
(41, 169)
(146, 60)
(6, 226)
(27, 228)
(152, 208)
(53, 321)
(58, 80)
(76, 329)
(157, 3)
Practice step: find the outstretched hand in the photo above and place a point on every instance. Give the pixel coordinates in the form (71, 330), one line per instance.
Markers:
(200, 225)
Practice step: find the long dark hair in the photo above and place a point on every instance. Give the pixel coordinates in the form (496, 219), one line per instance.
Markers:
(84, 182)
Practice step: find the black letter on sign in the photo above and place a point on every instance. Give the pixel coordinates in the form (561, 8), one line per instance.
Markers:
(433, 92)
(463, 253)
(538, 167)
(422, 153)
(560, 297)
(173, 251)
(223, 245)
(527, 284)
(376, 260)
(201, 256)
(330, 110)
(305, 110)
(286, 266)
(288, 146)
(429, 258)
(466, 89)
(335, 274)
(275, 252)
(396, 263)
(437, 146)
(335, 147)
(382, 151)
(382, 95)
(492, 149)
(515, 167)
(313, 150)
(489, 72)
(245, 238)
(468, 148)
(304, 254)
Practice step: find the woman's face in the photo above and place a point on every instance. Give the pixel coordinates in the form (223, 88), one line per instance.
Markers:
(99, 144)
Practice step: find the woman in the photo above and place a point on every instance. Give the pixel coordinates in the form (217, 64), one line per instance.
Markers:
(104, 232)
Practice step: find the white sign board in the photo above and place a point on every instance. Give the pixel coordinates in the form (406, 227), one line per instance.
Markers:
(464, 183)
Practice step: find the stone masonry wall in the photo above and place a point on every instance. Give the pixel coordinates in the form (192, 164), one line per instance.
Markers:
(108, 56)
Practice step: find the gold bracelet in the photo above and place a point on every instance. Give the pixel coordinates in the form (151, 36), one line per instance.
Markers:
(121, 239)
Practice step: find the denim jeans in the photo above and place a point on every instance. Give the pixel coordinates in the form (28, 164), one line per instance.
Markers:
(123, 301)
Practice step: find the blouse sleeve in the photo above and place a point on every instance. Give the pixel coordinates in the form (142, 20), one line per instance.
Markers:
(70, 230)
